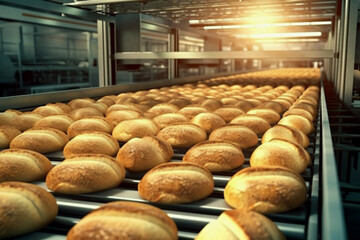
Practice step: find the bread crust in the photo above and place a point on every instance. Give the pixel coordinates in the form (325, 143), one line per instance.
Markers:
(166, 119)
(57, 121)
(7, 134)
(139, 127)
(98, 124)
(25, 121)
(256, 123)
(208, 121)
(298, 122)
(287, 133)
(270, 115)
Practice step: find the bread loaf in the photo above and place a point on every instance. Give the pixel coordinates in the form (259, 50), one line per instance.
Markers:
(63, 106)
(176, 182)
(240, 224)
(92, 142)
(80, 102)
(244, 105)
(85, 173)
(216, 156)
(6, 117)
(162, 108)
(7, 134)
(208, 121)
(140, 154)
(23, 165)
(125, 220)
(25, 121)
(299, 112)
(58, 121)
(298, 122)
(48, 110)
(271, 116)
(257, 124)
(85, 112)
(286, 132)
(139, 127)
(228, 113)
(167, 119)
(183, 134)
(243, 136)
(42, 140)
(192, 111)
(96, 124)
(116, 116)
(24, 208)
(266, 190)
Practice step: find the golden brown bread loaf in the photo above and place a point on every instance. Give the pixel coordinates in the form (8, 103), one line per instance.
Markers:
(176, 182)
(216, 156)
(298, 122)
(208, 121)
(85, 173)
(265, 189)
(139, 127)
(182, 134)
(162, 108)
(42, 140)
(85, 112)
(241, 224)
(192, 111)
(244, 105)
(58, 121)
(300, 112)
(80, 102)
(306, 106)
(7, 134)
(286, 132)
(271, 116)
(24, 208)
(92, 142)
(48, 110)
(116, 116)
(6, 117)
(98, 124)
(63, 106)
(243, 136)
(256, 123)
(228, 113)
(25, 121)
(211, 104)
(283, 153)
(125, 220)
(123, 106)
(140, 154)
(166, 119)
(23, 165)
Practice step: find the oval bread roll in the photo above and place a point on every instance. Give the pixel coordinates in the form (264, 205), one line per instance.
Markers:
(228, 113)
(140, 154)
(24, 208)
(298, 122)
(80, 102)
(208, 121)
(176, 182)
(139, 127)
(265, 190)
(116, 116)
(85, 174)
(182, 135)
(7, 134)
(286, 132)
(85, 112)
(244, 136)
(92, 142)
(258, 124)
(271, 116)
(167, 119)
(25, 121)
(23, 165)
(6, 118)
(162, 108)
(42, 140)
(240, 224)
(59, 121)
(98, 124)
(192, 111)
(216, 156)
(125, 220)
(299, 112)
(283, 153)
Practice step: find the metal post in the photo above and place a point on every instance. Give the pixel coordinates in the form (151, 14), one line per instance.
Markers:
(104, 53)
(342, 47)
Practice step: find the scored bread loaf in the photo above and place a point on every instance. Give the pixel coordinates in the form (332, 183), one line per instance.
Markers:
(7, 134)
(116, 116)
(240, 224)
(92, 142)
(48, 110)
(166, 119)
(300, 112)
(125, 220)
(281, 152)
(42, 140)
(228, 113)
(24, 208)
(23, 165)
(98, 124)
(139, 127)
(208, 121)
(256, 123)
(85, 173)
(85, 112)
(216, 156)
(58, 121)
(176, 182)
(182, 134)
(286, 132)
(140, 154)
(192, 110)
(298, 122)
(266, 190)
(270, 115)
(243, 136)
(25, 121)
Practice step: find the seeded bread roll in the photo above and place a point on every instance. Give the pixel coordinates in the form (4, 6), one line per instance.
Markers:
(58, 121)
(140, 154)
(23, 165)
(7, 134)
(176, 182)
(42, 140)
(257, 124)
(125, 220)
(25, 121)
(139, 127)
(266, 190)
(216, 156)
(298, 122)
(208, 121)
(96, 124)
(240, 224)
(183, 135)
(24, 208)
(85, 173)
(91, 142)
(243, 136)
(283, 153)
(167, 119)
(286, 132)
